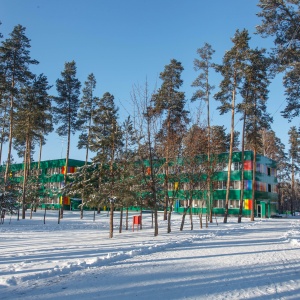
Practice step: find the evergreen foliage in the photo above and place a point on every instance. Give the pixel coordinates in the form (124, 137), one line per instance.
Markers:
(280, 20)
(86, 111)
(170, 102)
(233, 72)
(15, 61)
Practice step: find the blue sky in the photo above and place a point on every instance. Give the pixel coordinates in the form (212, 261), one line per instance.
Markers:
(125, 42)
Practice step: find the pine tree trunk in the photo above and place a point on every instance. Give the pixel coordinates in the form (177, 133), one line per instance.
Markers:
(45, 214)
(230, 155)
(210, 200)
(191, 217)
(40, 154)
(253, 185)
(66, 169)
(121, 219)
(183, 217)
(11, 122)
(111, 220)
(141, 214)
(152, 218)
(126, 217)
(169, 217)
(200, 219)
(208, 153)
(155, 222)
(242, 172)
(24, 179)
(3, 132)
(81, 210)
(166, 183)
(293, 187)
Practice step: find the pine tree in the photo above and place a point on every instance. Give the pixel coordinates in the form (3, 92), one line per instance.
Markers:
(87, 107)
(253, 108)
(219, 138)
(127, 174)
(29, 121)
(204, 65)
(232, 71)
(170, 102)
(66, 109)
(4, 107)
(280, 20)
(106, 141)
(294, 154)
(86, 111)
(4, 121)
(15, 59)
(255, 92)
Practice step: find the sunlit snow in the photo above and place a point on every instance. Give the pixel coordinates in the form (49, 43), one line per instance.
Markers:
(76, 260)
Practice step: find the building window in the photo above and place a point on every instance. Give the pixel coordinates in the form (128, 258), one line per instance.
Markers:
(237, 166)
(219, 203)
(269, 188)
(233, 203)
(236, 185)
(222, 185)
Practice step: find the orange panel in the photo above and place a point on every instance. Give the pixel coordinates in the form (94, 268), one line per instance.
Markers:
(67, 200)
(247, 204)
(136, 220)
(248, 165)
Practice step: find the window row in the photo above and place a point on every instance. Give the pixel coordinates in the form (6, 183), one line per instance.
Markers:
(222, 185)
(217, 203)
(235, 166)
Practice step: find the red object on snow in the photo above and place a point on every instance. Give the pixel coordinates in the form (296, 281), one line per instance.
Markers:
(136, 221)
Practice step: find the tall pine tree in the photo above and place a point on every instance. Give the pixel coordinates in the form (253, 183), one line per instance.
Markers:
(294, 154)
(85, 115)
(106, 141)
(169, 102)
(66, 109)
(204, 65)
(29, 122)
(232, 71)
(254, 109)
(15, 60)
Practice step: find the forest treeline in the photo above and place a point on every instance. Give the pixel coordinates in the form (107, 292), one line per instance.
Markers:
(162, 129)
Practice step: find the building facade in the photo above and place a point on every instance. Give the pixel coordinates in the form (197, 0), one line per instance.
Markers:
(265, 190)
(50, 174)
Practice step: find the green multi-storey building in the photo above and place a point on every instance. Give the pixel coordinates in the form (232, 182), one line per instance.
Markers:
(51, 175)
(265, 193)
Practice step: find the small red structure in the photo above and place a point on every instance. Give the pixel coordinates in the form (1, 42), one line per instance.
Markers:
(136, 221)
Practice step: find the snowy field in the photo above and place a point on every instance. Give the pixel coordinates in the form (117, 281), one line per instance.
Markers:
(76, 260)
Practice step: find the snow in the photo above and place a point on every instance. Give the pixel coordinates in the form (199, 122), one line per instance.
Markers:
(76, 259)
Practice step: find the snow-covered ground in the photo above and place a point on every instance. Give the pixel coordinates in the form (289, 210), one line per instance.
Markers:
(76, 260)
